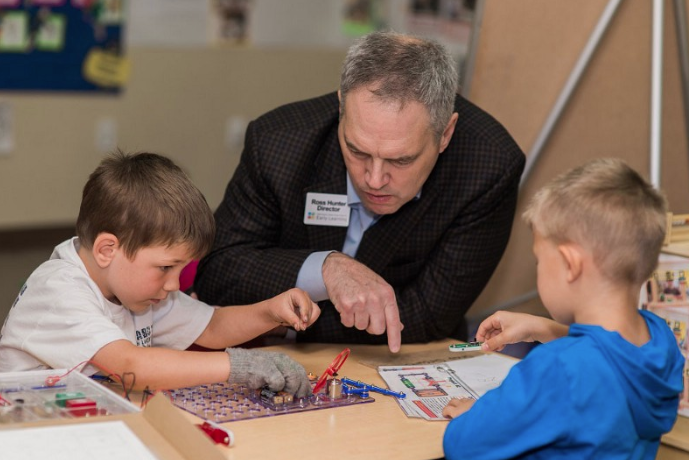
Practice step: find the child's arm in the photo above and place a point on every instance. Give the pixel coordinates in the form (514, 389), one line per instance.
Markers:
(162, 368)
(503, 328)
(235, 325)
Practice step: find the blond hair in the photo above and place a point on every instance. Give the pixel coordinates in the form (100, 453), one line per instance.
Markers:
(608, 208)
(144, 199)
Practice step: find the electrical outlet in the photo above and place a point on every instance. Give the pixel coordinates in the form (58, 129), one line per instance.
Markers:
(6, 128)
(235, 127)
(106, 135)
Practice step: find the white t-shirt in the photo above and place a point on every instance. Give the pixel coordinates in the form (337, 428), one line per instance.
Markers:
(61, 318)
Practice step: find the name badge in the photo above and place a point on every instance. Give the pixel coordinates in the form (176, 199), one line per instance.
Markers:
(326, 209)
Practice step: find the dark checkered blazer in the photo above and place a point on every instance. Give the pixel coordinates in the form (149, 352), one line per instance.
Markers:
(437, 252)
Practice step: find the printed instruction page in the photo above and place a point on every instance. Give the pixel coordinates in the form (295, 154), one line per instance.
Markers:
(428, 388)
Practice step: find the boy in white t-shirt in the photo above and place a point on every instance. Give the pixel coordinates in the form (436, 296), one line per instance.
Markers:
(110, 296)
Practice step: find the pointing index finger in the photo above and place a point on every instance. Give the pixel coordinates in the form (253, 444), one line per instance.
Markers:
(394, 327)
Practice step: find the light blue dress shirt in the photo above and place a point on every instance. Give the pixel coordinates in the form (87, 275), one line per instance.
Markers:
(310, 277)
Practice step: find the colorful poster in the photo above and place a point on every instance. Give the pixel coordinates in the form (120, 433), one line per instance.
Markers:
(62, 45)
(168, 23)
(364, 16)
(450, 21)
(231, 21)
(666, 294)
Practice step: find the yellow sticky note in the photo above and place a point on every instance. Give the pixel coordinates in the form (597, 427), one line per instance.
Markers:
(106, 69)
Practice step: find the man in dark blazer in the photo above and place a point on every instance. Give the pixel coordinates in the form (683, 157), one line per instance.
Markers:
(391, 201)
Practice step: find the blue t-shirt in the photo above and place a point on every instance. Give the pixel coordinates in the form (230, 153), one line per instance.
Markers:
(591, 394)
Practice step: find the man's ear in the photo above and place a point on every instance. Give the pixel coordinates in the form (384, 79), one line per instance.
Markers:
(573, 260)
(104, 249)
(448, 132)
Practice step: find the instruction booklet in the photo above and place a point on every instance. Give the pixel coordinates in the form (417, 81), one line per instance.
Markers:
(428, 388)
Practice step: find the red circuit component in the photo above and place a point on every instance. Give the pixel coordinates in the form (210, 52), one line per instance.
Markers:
(218, 434)
(52, 380)
(81, 407)
(332, 369)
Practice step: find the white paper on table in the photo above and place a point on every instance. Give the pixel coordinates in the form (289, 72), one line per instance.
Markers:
(428, 388)
(483, 373)
(86, 441)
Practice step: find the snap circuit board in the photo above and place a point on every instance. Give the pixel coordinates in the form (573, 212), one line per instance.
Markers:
(223, 402)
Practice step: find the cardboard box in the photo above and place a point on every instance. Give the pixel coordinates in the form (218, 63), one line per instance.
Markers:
(36, 418)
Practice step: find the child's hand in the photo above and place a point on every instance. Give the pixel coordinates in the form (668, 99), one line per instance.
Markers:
(503, 328)
(294, 308)
(257, 368)
(457, 407)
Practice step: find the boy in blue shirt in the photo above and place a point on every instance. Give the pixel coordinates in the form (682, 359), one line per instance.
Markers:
(606, 380)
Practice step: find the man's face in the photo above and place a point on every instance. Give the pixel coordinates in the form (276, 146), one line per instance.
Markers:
(389, 152)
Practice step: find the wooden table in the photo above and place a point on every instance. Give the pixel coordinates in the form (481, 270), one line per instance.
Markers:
(376, 430)
(675, 444)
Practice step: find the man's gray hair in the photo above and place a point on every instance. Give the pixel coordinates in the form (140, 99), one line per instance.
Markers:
(403, 68)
